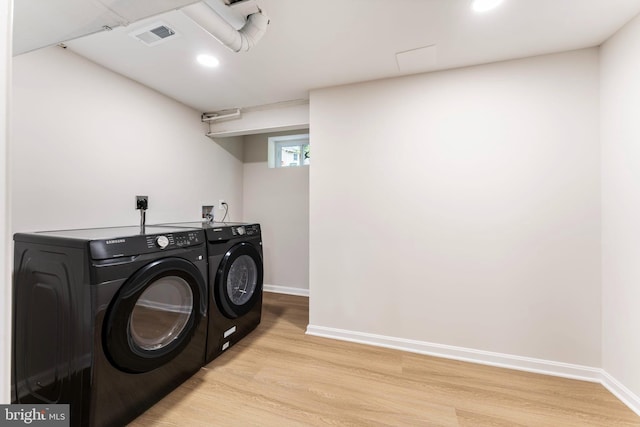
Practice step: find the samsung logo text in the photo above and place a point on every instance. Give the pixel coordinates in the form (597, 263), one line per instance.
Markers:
(111, 242)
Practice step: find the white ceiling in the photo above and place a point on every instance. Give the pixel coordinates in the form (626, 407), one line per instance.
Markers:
(318, 43)
(40, 23)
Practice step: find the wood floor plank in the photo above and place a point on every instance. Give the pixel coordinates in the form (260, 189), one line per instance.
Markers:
(278, 376)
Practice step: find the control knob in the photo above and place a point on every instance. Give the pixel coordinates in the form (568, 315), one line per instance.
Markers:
(162, 242)
(241, 231)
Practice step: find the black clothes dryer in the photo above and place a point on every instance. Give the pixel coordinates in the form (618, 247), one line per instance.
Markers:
(236, 272)
(107, 320)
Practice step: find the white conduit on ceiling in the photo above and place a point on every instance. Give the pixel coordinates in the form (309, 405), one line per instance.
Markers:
(237, 40)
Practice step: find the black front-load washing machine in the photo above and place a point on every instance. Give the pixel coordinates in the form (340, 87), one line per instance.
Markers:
(236, 273)
(107, 320)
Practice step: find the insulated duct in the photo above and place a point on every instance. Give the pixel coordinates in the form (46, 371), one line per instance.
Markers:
(237, 40)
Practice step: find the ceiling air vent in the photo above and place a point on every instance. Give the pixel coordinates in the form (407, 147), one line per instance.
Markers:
(154, 34)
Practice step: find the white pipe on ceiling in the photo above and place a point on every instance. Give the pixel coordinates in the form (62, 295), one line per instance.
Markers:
(237, 40)
(209, 117)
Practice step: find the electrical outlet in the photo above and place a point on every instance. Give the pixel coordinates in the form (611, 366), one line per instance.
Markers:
(142, 202)
(221, 204)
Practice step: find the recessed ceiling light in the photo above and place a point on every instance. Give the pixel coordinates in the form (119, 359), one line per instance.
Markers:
(485, 5)
(208, 60)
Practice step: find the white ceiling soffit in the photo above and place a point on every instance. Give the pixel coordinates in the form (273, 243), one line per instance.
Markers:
(40, 23)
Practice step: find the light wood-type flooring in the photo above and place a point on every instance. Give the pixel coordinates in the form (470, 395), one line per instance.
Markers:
(278, 376)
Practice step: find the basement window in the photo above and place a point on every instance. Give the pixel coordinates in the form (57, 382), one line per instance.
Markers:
(289, 151)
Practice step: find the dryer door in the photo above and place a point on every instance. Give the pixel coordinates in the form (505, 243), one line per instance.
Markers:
(154, 315)
(238, 285)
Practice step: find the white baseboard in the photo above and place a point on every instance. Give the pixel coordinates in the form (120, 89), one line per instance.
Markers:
(621, 392)
(286, 290)
(508, 361)
(528, 364)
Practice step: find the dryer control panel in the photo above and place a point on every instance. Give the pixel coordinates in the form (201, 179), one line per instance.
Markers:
(228, 231)
(246, 230)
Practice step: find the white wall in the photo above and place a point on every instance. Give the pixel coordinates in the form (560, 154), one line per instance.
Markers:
(620, 138)
(462, 208)
(87, 140)
(5, 247)
(278, 198)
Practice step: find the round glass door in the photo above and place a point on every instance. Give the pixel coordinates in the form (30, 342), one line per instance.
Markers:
(161, 313)
(238, 283)
(153, 316)
(242, 280)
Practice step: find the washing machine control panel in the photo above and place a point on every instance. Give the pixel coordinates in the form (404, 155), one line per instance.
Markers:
(141, 244)
(174, 240)
(162, 241)
(188, 239)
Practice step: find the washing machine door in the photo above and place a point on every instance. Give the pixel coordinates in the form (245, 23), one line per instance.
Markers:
(238, 284)
(154, 315)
